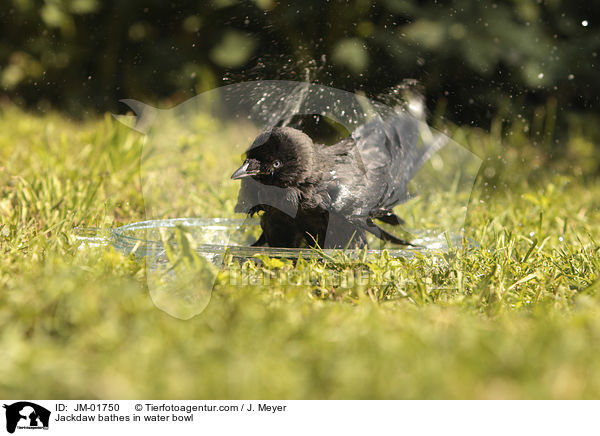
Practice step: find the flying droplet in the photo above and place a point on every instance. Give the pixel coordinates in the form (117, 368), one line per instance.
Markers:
(584, 23)
(541, 76)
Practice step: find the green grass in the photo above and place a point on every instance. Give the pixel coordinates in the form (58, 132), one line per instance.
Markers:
(517, 316)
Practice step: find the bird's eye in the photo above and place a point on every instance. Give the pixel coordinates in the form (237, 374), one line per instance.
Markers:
(277, 164)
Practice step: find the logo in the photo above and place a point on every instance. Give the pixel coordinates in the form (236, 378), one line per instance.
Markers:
(26, 415)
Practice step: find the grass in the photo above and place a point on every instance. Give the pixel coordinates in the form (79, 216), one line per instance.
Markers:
(517, 316)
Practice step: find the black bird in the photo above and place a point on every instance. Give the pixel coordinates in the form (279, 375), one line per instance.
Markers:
(330, 195)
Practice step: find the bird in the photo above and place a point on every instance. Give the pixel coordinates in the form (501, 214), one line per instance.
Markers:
(330, 195)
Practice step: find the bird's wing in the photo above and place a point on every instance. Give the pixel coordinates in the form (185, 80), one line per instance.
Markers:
(388, 146)
(371, 169)
(364, 172)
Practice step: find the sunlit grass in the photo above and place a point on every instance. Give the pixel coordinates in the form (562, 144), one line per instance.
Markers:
(515, 316)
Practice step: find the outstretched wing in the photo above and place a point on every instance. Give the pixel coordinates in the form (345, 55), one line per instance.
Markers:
(389, 151)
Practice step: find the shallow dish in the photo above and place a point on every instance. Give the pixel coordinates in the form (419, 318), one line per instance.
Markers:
(213, 237)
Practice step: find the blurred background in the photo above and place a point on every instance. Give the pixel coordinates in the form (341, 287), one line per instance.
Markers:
(515, 316)
(474, 61)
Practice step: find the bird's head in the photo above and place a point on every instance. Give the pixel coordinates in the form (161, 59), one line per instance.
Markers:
(280, 156)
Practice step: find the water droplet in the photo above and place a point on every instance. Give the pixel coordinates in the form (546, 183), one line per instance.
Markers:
(570, 76)
(584, 23)
(541, 76)
(532, 234)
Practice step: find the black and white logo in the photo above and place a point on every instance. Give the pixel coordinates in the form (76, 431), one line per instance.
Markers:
(26, 415)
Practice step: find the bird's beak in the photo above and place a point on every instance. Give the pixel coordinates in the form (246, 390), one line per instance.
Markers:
(251, 167)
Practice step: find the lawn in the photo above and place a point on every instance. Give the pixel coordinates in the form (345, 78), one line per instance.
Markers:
(516, 315)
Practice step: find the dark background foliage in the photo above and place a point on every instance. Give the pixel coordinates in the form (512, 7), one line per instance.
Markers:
(474, 60)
